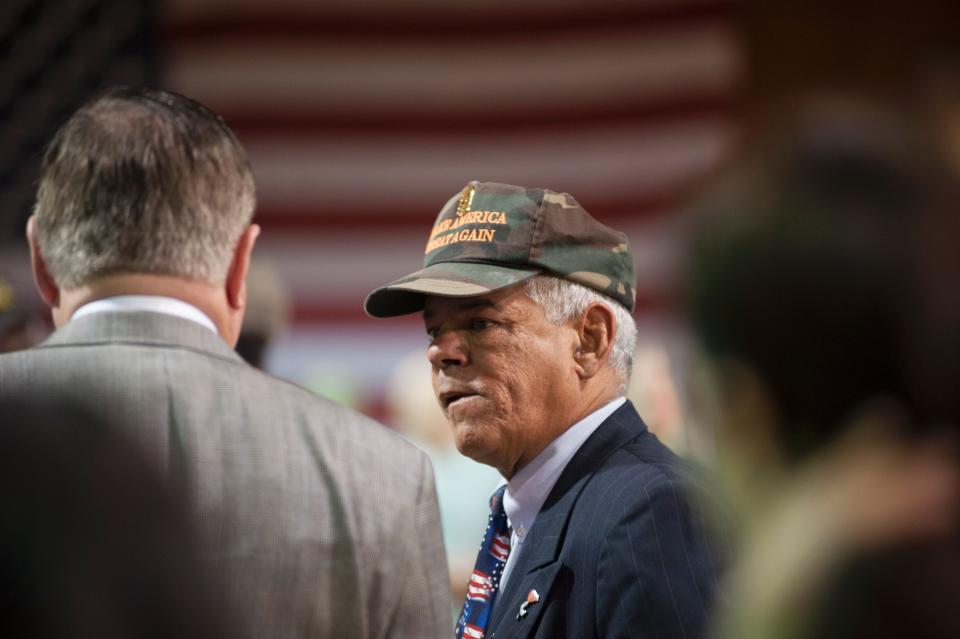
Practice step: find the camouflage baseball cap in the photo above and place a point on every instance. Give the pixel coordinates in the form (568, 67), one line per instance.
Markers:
(490, 236)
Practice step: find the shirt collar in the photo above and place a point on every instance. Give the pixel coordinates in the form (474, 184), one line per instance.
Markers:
(150, 303)
(529, 488)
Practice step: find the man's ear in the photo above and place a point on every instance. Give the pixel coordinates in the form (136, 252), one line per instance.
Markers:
(46, 286)
(236, 284)
(595, 332)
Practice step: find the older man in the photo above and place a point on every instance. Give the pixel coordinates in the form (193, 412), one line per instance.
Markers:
(526, 300)
(322, 523)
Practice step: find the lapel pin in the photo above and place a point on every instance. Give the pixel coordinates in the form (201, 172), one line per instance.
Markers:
(532, 597)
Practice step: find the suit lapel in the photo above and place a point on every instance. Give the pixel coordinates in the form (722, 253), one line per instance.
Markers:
(536, 567)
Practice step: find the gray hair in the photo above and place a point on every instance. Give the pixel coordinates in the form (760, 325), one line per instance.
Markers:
(563, 300)
(142, 181)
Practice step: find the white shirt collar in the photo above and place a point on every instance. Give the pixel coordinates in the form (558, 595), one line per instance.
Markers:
(150, 303)
(529, 488)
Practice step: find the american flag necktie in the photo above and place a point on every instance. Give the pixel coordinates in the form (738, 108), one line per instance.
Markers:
(482, 589)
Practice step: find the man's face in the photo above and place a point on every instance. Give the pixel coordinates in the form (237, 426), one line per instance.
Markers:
(503, 374)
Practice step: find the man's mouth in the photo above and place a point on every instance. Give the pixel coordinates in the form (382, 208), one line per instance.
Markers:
(451, 397)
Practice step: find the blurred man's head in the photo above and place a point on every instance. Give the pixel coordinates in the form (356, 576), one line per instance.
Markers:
(527, 300)
(96, 540)
(806, 273)
(142, 182)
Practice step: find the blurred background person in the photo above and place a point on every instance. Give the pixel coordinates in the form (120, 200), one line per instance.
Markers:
(20, 323)
(93, 542)
(463, 485)
(809, 288)
(268, 312)
(660, 391)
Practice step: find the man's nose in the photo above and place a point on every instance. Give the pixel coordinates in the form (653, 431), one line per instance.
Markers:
(448, 348)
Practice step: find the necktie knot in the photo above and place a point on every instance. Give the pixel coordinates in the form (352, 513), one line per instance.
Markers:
(496, 502)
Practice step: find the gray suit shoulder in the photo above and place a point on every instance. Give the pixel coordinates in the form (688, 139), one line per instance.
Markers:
(344, 425)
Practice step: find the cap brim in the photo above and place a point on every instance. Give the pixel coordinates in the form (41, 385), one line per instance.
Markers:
(446, 279)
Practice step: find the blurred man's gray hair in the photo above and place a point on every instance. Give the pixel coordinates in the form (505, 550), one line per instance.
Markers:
(142, 181)
(563, 300)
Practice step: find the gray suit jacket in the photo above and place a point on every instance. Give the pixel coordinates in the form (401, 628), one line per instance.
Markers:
(322, 522)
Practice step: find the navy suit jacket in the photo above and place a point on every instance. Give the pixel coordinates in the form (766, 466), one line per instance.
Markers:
(618, 549)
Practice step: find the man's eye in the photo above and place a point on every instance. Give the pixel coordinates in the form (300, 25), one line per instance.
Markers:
(478, 324)
(432, 333)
